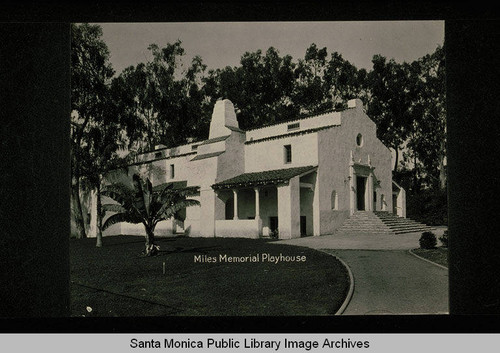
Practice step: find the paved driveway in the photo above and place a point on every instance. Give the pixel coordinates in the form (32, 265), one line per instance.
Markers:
(394, 282)
(362, 241)
(387, 278)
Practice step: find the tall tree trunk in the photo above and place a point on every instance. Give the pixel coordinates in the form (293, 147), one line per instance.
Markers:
(75, 182)
(416, 182)
(442, 168)
(77, 209)
(99, 218)
(396, 159)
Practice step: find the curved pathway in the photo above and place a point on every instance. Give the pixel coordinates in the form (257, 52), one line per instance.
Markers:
(387, 278)
(394, 282)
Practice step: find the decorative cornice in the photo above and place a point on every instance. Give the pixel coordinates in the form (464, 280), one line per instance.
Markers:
(308, 116)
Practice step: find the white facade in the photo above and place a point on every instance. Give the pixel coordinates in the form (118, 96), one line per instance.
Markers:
(301, 177)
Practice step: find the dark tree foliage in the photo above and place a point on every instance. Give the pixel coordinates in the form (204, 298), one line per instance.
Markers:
(389, 104)
(160, 105)
(427, 141)
(260, 88)
(90, 75)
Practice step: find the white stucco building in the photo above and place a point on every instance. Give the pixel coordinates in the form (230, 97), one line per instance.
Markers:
(295, 178)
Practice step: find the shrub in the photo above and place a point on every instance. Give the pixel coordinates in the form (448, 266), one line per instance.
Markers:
(428, 207)
(444, 239)
(428, 240)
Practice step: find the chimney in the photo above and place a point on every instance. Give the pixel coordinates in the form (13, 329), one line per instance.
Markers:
(355, 103)
(223, 118)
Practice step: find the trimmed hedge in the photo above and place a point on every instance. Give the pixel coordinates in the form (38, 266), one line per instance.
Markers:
(429, 207)
(428, 240)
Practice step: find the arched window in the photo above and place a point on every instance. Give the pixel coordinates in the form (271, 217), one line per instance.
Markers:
(334, 200)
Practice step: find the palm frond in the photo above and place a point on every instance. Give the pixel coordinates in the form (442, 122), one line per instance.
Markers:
(139, 202)
(167, 187)
(118, 218)
(169, 210)
(179, 193)
(113, 208)
(120, 193)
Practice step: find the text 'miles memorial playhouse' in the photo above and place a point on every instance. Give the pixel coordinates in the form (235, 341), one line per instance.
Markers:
(290, 179)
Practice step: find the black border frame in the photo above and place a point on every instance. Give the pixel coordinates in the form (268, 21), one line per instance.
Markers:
(472, 48)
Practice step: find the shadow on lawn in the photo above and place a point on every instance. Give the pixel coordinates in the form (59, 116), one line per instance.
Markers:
(202, 250)
(116, 281)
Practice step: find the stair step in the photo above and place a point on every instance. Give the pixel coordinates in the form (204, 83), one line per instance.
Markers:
(380, 222)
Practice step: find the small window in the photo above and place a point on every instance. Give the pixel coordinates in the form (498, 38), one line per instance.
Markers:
(334, 200)
(172, 171)
(288, 153)
(194, 147)
(359, 140)
(293, 126)
(158, 154)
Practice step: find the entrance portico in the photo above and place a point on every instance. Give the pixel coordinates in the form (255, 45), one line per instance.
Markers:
(261, 201)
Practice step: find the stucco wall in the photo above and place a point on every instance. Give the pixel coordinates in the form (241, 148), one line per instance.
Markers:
(335, 146)
(269, 155)
(232, 162)
(289, 209)
(212, 147)
(242, 228)
(170, 152)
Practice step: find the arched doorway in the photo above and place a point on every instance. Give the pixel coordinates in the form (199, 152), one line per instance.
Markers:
(230, 208)
(360, 193)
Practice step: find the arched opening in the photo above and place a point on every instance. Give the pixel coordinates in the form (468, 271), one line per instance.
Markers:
(359, 140)
(230, 208)
(333, 200)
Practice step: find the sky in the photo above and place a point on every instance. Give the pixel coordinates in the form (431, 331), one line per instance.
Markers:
(222, 44)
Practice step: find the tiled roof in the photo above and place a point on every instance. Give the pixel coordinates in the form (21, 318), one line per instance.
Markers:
(278, 176)
(207, 155)
(295, 133)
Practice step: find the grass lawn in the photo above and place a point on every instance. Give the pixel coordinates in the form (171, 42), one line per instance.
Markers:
(116, 281)
(437, 255)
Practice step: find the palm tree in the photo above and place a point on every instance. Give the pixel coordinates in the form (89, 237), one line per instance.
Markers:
(139, 203)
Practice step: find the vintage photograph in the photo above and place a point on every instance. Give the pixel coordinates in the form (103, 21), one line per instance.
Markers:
(258, 168)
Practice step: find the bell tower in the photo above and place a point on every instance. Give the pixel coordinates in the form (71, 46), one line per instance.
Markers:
(223, 119)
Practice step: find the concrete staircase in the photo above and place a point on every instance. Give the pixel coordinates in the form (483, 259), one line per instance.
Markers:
(380, 223)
